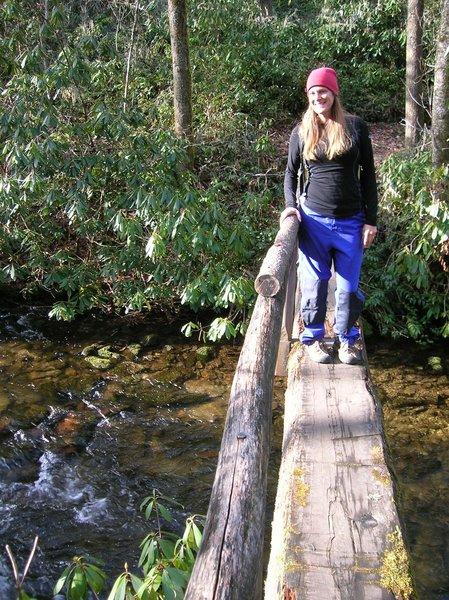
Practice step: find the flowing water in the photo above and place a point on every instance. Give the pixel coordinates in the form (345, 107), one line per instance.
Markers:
(81, 447)
(413, 385)
(83, 441)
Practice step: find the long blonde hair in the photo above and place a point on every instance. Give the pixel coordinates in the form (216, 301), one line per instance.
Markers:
(330, 140)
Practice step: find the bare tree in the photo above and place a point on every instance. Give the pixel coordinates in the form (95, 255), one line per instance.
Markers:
(414, 73)
(440, 102)
(266, 6)
(130, 51)
(182, 87)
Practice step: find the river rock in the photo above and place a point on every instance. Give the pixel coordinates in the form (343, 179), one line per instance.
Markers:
(102, 364)
(129, 367)
(24, 355)
(150, 341)
(435, 364)
(203, 386)
(107, 352)
(4, 424)
(206, 353)
(133, 349)
(170, 375)
(4, 400)
(89, 350)
(169, 352)
(68, 426)
(50, 374)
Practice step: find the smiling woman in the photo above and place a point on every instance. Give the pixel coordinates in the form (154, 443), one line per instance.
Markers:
(337, 209)
(322, 89)
(321, 100)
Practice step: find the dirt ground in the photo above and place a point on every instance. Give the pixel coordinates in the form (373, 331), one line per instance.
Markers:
(386, 139)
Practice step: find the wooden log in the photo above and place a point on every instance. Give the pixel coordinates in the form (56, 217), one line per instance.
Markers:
(229, 563)
(288, 316)
(335, 511)
(272, 272)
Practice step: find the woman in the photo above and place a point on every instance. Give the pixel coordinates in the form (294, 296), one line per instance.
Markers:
(337, 210)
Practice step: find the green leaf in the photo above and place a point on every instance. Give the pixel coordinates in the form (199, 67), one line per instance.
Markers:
(165, 513)
(62, 580)
(169, 593)
(136, 582)
(148, 554)
(24, 596)
(78, 585)
(116, 586)
(170, 500)
(95, 578)
(167, 548)
(178, 577)
(120, 591)
(198, 534)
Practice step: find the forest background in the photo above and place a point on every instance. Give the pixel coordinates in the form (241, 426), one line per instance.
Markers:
(103, 207)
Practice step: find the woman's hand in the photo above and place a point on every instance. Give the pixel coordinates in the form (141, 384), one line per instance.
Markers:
(369, 233)
(288, 212)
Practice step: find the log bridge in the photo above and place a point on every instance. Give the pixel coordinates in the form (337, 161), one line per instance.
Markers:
(336, 533)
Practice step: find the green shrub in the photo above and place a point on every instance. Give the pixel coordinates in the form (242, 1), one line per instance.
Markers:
(365, 43)
(96, 207)
(166, 561)
(406, 272)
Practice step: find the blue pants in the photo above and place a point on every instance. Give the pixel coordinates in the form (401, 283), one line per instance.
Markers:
(323, 241)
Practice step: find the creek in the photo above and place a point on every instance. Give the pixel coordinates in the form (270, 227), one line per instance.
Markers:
(96, 414)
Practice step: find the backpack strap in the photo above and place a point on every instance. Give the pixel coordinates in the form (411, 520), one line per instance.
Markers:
(302, 173)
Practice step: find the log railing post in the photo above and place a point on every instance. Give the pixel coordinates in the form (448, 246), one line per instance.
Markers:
(229, 563)
(276, 262)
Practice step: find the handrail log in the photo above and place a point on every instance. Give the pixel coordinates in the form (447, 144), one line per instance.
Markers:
(272, 272)
(229, 562)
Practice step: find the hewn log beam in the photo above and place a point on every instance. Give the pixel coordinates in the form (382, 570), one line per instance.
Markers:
(335, 522)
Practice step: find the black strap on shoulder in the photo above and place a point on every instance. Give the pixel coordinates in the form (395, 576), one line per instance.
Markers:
(302, 179)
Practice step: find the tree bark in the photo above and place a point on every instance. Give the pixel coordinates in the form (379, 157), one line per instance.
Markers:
(440, 104)
(177, 16)
(130, 51)
(272, 272)
(266, 6)
(414, 74)
(230, 560)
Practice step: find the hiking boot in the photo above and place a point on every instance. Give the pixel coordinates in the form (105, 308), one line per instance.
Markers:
(318, 353)
(349, 355)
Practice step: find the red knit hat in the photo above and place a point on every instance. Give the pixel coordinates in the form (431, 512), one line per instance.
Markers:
(325, 76)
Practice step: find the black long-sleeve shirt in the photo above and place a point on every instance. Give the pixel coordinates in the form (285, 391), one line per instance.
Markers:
(341, 187)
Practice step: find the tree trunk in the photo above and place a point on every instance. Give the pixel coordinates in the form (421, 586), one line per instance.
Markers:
(266, 6)
(440, 104)
(177, 16)
(414, 73)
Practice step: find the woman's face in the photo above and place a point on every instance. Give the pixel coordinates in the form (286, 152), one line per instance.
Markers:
(321, 100)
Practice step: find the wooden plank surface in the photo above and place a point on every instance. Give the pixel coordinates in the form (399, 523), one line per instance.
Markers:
(291, 318)
(335, 504)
